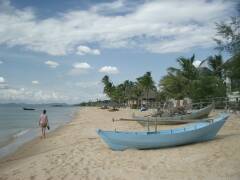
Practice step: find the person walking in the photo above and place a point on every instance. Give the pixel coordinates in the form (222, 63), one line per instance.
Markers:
(43, 123)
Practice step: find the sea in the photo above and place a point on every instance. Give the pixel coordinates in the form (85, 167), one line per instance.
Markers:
(18, 126)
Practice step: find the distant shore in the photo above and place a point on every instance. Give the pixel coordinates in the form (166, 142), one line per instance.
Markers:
(74, 151)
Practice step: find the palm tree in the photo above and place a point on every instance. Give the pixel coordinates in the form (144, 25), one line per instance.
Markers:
(187, 69)
(180, 80)
(215, 64)
(230, 42)
(146, 83)
(128, 89)
(105, 80)
(108, 86)
(136, 93)
(192, 82)
(174, 86)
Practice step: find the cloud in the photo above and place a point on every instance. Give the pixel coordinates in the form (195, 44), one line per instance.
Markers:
(1, 62)
(118, 7)
(87, 84)
(31, 96)
(79, 68)
(35, 82)
(108, 8)
(156, 26)
(83, 50)
(4, 86)
(52, 64)
(109, 70)
(86, 90)
(197, 63)
(83, 65)
(3, 83)
(28, 95)
(2, 80)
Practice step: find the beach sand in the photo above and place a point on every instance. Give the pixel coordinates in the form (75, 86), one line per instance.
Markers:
(76, 152)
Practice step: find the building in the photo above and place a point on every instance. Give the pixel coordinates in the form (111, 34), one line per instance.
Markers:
(143, 100)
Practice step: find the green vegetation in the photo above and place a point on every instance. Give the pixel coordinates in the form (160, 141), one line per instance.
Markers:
(189, 80)
(93, 103)
(145, 84)
(194, 82)
(128, 90)
(230, 43)
(186, 81)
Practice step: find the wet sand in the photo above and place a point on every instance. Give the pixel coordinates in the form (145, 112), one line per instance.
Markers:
(76, 152)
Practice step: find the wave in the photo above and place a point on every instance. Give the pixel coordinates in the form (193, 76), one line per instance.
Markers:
(21, 133)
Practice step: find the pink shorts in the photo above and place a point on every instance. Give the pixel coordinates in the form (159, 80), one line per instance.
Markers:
(43, 125)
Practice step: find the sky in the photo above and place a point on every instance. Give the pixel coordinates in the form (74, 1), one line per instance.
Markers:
(58, 51)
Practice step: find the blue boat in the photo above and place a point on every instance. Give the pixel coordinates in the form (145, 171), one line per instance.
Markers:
(203, 130)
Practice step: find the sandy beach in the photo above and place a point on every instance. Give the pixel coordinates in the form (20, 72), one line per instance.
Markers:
(76, 152)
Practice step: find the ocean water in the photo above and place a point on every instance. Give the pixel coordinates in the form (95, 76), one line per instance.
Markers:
(18, 126)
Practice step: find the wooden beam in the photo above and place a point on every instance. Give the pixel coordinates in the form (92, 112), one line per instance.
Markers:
(177, 121)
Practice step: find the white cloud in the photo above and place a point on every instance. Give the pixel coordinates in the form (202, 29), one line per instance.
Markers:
(4, 86)
(1, 62)
(197, 63)
(157, 26)
(28, 95)
(2, 80)
(109, 8)
(87, 84)
(52, 64)
(109, 70)
(86, 90)
(3, 83)
(31, 96)
(79, 68)
(35, 82)
(83, 50)
(83, 65)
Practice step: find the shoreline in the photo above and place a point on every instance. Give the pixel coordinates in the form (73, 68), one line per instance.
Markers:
(19, 142)
(28, 144)
(74, 151)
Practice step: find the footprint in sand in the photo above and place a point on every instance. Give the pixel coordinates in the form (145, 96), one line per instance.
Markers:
(32, 177)
(33, 163)
(49, 178)
(143, 167)
(86, 170)
(64, 176)
(3, 178)
(15, 172)
(46, 170)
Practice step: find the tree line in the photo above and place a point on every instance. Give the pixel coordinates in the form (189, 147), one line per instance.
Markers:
(189, 80)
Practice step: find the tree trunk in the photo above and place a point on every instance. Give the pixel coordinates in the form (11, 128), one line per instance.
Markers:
(147, 96)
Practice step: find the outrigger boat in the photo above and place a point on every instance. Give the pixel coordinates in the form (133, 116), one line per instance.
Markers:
(175, 119)
(202, 130)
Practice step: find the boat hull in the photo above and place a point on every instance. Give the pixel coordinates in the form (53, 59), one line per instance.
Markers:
(192, 133)
(28, 109)
(178, 119)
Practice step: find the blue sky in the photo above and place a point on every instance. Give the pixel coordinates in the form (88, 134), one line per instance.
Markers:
(58, 51)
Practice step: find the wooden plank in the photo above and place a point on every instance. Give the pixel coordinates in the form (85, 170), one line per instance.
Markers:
(177, 121)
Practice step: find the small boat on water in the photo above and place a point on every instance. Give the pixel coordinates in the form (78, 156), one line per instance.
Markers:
(28, 109)
(203, 130)
(176, 119)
